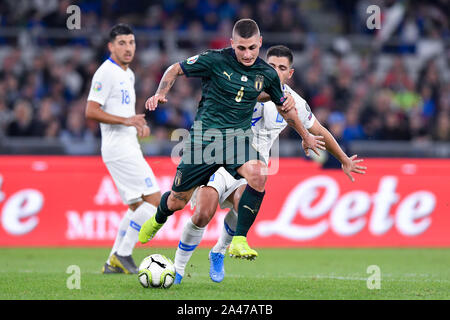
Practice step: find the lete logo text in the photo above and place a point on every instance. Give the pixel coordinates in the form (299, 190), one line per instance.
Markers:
(348, 212)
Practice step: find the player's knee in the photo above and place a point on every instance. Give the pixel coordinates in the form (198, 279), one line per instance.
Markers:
(201, 218)
(204, 215)
(256, 177)
(207, 202)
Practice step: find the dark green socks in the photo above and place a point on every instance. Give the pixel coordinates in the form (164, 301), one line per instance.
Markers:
(163, 211)
(248, 209)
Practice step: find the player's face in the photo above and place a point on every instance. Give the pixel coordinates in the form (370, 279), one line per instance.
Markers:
(246, 50)
(123, 48)
(282, 66)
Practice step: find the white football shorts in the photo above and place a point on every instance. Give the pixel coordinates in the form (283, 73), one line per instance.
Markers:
(225, 184)
(133, 178)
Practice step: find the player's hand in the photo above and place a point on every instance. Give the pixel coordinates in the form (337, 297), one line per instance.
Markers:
(288, 104)
(136, 121)
(313, 142)
(153, 101)
(145, 132)
(351, 165)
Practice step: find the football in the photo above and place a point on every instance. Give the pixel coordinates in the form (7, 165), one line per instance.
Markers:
(156, 271)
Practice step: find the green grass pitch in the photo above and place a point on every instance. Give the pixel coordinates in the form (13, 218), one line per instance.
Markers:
(286, 274)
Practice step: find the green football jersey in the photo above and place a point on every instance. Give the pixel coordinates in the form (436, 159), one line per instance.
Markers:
(230, 89)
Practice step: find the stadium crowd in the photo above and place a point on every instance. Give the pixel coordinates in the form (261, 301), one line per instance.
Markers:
(396, 89)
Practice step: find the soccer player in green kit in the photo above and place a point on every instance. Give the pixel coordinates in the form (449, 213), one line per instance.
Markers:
(232, 80)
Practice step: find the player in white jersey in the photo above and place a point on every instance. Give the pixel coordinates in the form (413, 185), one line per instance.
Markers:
(223, 189)
(111, 102)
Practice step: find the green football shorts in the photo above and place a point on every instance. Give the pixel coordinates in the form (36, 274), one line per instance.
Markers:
(201, 160)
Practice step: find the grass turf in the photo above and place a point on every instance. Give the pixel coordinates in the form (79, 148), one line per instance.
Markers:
(286, 274)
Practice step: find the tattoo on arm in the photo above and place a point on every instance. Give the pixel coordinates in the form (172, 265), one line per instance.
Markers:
(165, 84)
(290, 122)
(168, 79)
(179, 196)
(295, 123)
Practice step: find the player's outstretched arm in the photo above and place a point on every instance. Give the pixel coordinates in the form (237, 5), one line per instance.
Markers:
(348, 164)
(310, 141)
(166, 83)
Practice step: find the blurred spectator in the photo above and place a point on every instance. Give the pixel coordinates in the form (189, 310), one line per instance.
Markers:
(442, 130)
(336, 126)
(428, 103)
(417, 130)
(6, 116)
(77, 139)
(353, 129)
(324, 98)
(22, 125)
(398, 78)
(360, 92)
(394, 127)
(46, 124)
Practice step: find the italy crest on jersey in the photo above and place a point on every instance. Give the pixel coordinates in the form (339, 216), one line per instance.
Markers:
(259, 82)
(177, 180)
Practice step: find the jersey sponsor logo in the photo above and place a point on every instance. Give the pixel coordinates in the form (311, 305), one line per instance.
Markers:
(192, 60)
(259, 82)
(228, 75)
(97, 86)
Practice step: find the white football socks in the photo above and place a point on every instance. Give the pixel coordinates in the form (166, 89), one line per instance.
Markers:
(190, 239)
(121, 231)
(229, 227)
(144, 212)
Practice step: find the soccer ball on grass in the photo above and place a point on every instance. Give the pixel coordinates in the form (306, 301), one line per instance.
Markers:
(156, 271)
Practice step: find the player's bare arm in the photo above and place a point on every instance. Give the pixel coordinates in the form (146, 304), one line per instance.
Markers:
(287, 105)
(95, 112)
(166, 83)
(263, 97)
(310, 141)
(348, 164)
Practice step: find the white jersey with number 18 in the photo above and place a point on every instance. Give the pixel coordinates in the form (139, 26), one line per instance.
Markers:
(113, 88)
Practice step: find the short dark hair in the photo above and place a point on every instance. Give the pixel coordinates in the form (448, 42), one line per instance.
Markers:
(280, 51)
(246, 28)
(119, 29)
